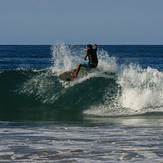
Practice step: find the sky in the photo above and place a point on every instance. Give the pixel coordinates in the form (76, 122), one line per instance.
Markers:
(110, 22)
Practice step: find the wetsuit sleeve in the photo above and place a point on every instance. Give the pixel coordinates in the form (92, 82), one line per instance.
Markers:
(88, 51)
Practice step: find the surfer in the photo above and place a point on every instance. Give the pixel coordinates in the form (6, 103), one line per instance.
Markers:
(93, 61)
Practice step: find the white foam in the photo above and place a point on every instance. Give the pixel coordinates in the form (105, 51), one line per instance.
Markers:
(141, 88)
(140, 91)
(67, 57)
(106, 63)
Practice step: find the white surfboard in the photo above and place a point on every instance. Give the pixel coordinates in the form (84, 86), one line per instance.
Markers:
(67, 77)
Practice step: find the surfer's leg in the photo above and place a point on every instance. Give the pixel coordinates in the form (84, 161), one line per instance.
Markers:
(77, 70)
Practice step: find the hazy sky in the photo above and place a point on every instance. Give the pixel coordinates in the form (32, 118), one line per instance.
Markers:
(81, 21)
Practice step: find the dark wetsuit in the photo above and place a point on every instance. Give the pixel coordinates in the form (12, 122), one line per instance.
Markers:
(92, 55)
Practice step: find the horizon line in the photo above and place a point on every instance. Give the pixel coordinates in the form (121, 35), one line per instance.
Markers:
(82, 44)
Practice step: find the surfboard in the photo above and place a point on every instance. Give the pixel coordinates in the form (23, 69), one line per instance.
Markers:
(65, 76)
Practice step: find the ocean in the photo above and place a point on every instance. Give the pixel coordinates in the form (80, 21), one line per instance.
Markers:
(112, 115)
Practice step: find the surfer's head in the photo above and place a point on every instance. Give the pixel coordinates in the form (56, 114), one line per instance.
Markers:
(89, 46)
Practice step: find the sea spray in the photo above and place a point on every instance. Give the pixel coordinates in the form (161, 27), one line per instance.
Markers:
(43, 86)
(46, 87)
(141, 88)
(65, 58)
(138, 91)
(106, 63)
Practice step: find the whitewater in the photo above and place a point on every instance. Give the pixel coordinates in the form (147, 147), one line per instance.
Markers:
(113, 114)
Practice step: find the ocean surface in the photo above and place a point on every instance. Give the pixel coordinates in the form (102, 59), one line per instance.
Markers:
(112, 115)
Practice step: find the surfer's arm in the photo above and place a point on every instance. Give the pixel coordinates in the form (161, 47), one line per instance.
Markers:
(85, 56)
(95, 45)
